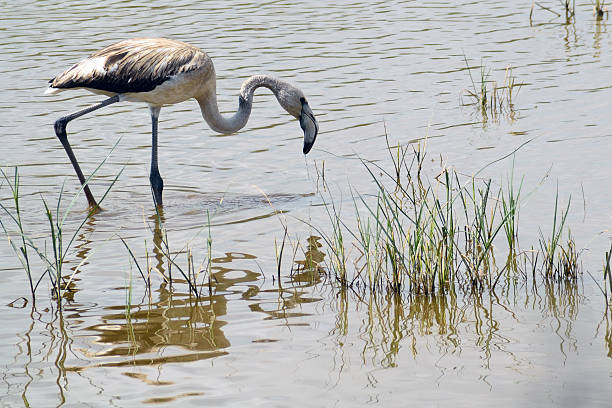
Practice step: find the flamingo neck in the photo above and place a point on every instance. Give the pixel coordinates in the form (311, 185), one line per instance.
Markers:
(218, 122)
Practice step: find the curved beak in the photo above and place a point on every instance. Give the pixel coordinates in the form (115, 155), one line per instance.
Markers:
(309, 125)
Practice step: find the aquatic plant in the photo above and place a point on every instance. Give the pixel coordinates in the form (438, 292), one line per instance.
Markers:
(60, 241)
(335, 239)
(487, 97)
(425, 236)
(161, 245)
(510, 211)
(559, 261)
(599, 8)
(607, 276)
(569, 8)
(20, 251)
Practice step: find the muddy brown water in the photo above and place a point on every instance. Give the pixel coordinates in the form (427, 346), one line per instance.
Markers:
(367, 68)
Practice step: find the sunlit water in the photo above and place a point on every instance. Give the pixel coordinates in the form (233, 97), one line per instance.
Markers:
(368, 68)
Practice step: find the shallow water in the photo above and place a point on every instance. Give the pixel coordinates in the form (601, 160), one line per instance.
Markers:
(367, 68)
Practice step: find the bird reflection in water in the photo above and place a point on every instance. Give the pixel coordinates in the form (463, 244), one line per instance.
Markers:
(299, 288)
(192, 323)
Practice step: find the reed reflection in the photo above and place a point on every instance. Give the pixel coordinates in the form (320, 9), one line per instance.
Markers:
(600, 28)
(394, 321)
(559, 301)
(608, 334)
(24, 346)
(482, 321)
(47, 337)
(146, 332)
(43, 349)
(174, 320)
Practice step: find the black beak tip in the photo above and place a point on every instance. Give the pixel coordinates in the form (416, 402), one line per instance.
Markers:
(309, 125)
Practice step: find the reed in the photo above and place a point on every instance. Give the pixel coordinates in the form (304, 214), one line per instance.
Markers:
(510, 211)
(413, 235)
(569, 6)
(61, 241)
(133, 348)
(421, 236)
(20, 250)
(161, 244)
(209, 242)
(147, 279)
(278, 252)
(557, 260)
(599, 8)
(189, 271)
(368, 236)
(490, 99)
(479, 93)
(607, 276)
(335, 241)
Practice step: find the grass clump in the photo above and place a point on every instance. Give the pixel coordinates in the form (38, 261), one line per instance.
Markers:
(560, 261)
(54, 252)
(427, 237)
(607, 275)
(490, 99)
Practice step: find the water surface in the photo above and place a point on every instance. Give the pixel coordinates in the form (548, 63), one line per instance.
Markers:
(368, 68)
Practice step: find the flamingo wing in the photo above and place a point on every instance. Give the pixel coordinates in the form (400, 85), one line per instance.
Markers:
(137, 65)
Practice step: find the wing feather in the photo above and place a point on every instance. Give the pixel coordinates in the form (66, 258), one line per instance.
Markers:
(137, 65)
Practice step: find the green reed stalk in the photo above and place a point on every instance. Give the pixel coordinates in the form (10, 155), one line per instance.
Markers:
(368, 239)
(510, 212)
(133, 257)
(56, 221)
(279, 254)
(599, 8)
(568, 259)
(549, 246)
(209, 243)
(424, 240)
(128, 314)
(340, 256)
(22, 251)
(607, 277)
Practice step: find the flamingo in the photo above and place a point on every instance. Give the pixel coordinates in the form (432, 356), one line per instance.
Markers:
(161, 72)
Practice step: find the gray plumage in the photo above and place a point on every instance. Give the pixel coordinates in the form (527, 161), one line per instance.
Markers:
(137, 65)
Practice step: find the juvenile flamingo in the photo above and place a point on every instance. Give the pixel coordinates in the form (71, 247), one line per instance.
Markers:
(160, 72)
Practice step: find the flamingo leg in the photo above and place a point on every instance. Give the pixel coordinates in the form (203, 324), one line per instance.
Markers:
(157, 184)
(60, 131)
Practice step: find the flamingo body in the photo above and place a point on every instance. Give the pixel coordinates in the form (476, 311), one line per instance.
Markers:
(156, 71)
